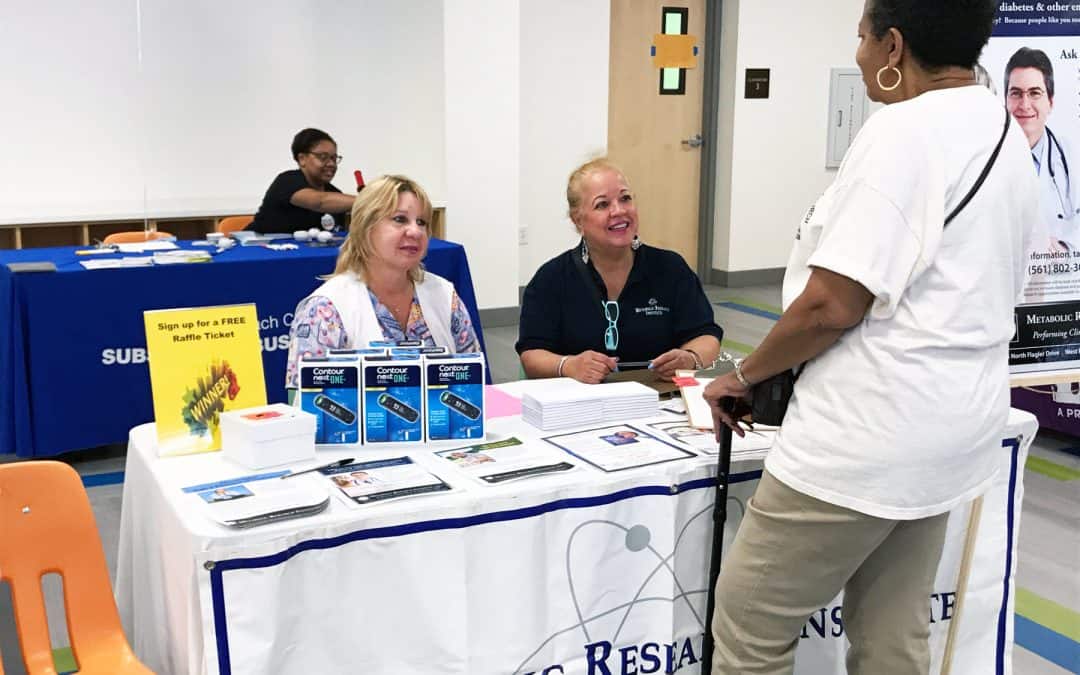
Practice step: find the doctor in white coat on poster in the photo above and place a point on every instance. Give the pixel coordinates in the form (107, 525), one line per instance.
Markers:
(1029, 95)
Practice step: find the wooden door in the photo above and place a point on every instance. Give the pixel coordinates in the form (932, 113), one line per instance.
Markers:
(647, 129)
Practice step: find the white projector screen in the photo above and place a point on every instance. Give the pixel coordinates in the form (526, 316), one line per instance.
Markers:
(120, 109)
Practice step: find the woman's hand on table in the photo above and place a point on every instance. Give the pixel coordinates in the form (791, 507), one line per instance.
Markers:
(589, 367)
(727, 386)
(667, 363)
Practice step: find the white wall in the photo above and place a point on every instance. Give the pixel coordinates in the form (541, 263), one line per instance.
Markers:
(483, 159)
(564, 109)
(773, 169)
(194, 104)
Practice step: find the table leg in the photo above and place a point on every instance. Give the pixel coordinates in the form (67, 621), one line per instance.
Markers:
(962, 581)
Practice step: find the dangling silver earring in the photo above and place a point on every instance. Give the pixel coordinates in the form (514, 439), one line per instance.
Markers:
(584, 251)
(636, 243)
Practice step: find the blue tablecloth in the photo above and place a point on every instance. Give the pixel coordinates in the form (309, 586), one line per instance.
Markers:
(73, 370)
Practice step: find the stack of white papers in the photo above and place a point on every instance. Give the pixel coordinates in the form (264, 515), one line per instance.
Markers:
(563, 402)
(180, 256)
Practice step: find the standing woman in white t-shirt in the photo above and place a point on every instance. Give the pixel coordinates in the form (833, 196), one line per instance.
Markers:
(903, 326)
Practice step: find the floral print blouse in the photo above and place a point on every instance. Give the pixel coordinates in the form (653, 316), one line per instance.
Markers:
(317, 329)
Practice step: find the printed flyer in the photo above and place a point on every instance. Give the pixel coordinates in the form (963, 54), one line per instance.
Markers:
(500, 461)
(1033, 63)
(203, 361)
(617, 448)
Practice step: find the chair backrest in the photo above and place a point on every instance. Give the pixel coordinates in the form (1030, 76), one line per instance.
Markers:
(48, 526)
(135, 237)
(234, 223)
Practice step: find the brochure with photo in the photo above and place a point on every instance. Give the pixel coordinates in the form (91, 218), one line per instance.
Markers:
(619, 447)
(755, 442)
(383, 479)
(258, 499)
(505, 460)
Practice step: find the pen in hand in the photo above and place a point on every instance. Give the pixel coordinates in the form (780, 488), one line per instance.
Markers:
(331, 465)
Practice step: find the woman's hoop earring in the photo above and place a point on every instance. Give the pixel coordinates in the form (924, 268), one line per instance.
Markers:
(899, 77)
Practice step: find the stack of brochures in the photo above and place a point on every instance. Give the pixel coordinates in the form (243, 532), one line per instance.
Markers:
(561, 403)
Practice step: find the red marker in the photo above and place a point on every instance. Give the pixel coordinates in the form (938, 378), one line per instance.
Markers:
(359, 180)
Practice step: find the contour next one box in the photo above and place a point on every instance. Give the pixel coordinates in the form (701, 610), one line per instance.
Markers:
(423, 351)
(329, 390)
(267, 435)
(454, 394)
(393, 399)
(387, 344)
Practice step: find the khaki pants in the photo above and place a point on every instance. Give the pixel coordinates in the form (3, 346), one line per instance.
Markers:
(793, 554)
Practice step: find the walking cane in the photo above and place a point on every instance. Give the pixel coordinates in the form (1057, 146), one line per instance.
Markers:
(723, 468)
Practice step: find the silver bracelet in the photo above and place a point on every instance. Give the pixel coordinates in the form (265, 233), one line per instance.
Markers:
(698, 365)
(558, 371)
(739, 376)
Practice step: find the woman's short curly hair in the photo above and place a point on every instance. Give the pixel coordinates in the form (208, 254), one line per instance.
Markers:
(940, 33)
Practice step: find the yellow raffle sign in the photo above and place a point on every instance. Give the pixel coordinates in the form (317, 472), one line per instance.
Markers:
(203, 361)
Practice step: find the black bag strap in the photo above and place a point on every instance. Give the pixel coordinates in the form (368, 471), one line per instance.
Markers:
(982, 176)
(582, 269)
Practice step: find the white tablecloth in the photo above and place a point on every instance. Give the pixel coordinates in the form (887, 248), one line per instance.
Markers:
(587, 572)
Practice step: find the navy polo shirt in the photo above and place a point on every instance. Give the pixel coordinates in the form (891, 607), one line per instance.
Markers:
(661, 307)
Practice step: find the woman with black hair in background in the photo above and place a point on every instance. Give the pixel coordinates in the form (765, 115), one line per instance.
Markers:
(299, 198)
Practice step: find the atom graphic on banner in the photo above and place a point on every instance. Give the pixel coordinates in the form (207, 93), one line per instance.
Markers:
(636, 539)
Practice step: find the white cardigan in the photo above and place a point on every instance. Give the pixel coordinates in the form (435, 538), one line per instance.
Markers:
(350, 295)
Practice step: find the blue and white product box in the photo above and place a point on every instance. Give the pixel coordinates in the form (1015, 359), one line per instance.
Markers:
(454, 393)
(422, 351)
(393, 399)
(330, 390)
(361, 353)
(386, 344)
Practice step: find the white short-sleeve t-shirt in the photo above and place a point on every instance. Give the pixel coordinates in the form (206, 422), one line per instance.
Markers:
(902, 416)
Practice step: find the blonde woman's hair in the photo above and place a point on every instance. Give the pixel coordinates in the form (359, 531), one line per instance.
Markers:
(578, 176)
(377, 201)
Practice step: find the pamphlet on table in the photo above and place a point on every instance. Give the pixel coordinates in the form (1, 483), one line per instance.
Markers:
(203, 361)
(505, 460)
(753, 445)
(259, 499)
(619, 447)
(383, 479)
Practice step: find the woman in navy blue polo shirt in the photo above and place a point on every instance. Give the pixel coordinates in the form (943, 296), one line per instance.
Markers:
(612, 298)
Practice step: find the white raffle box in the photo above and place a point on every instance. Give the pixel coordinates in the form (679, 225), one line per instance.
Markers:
(268, 435)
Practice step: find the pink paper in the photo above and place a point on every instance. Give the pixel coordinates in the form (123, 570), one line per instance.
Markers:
(501, 404)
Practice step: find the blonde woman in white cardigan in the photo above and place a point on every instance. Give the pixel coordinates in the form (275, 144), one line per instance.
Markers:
(379, 289)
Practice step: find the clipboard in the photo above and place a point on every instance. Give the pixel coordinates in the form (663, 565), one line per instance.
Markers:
(645, 377)
(692, 388)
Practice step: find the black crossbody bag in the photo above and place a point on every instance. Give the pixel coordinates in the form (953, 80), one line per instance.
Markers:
(769, 398)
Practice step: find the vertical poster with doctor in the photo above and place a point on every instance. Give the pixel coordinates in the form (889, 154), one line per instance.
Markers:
(1033, 62)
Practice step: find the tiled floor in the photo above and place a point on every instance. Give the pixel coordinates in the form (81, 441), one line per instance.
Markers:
(1048, 581)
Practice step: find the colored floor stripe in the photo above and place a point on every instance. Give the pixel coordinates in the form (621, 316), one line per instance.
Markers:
(99, 479)
(740, 347)
(1048, 613)
(1051, 469)
(756, 305)
(64, 660)
(1053, 647)
(747, 309)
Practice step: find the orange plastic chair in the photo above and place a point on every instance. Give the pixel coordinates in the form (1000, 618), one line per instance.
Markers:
(48, 527)
(234, 223)
(135, 237)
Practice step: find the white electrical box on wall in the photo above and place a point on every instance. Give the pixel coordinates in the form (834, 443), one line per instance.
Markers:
(847, 112)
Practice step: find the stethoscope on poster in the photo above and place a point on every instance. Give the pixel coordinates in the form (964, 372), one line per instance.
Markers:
(1064, 197)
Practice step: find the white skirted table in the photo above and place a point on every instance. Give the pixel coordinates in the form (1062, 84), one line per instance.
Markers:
(584, 572)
